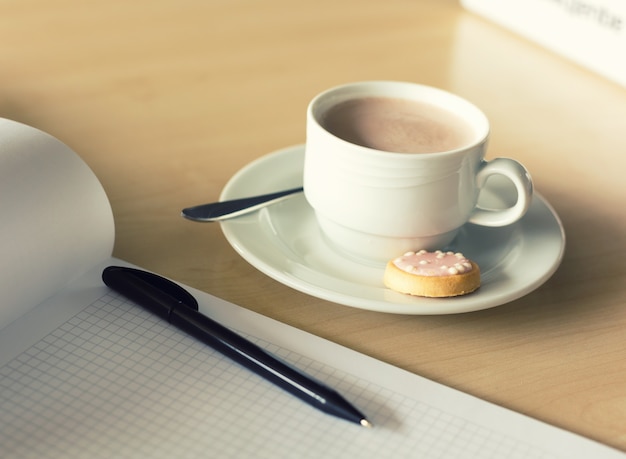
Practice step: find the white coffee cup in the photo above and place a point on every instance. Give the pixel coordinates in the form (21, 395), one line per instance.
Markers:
(375, 202)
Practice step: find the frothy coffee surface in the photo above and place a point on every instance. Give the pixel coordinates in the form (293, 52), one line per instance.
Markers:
(397, 125)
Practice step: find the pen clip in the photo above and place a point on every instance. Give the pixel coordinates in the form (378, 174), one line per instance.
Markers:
(159, 282)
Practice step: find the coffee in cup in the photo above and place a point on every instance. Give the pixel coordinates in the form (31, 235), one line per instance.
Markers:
(397, 125)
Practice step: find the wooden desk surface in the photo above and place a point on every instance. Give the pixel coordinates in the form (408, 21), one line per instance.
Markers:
(166, 100)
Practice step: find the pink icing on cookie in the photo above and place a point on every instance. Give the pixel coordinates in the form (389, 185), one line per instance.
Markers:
(437, 263)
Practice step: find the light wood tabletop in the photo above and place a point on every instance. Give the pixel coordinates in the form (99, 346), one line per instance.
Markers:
(166, 100)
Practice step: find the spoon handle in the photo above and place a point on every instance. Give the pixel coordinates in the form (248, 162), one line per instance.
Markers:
(233, 208)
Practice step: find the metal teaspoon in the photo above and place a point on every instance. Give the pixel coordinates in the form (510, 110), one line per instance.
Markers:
(233, 208)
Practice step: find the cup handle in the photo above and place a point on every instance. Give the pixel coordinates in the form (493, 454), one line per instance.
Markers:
(520, 177)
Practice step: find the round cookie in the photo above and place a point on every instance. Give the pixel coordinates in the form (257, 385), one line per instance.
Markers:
(432, 274)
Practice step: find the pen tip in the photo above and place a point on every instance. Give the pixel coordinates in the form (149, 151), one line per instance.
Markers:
(366, 423)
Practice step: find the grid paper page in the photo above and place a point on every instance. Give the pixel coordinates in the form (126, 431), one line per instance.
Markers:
(116, 381)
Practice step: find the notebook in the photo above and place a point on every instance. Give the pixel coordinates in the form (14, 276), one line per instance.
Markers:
(85, 373)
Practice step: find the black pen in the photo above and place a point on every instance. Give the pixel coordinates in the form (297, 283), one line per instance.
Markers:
(174, 304)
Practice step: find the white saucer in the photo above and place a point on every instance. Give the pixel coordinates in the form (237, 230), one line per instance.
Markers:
(284, 242)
